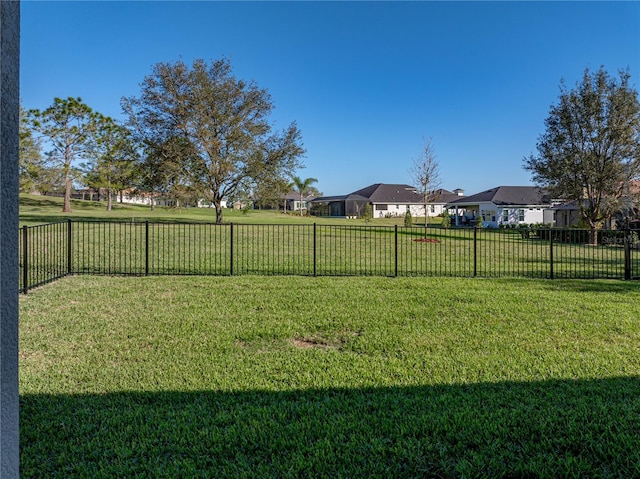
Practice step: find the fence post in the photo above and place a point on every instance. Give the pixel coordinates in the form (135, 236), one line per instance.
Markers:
(231, 250)
(475, 251)
(314, 251)
(146, 248)
(396, 250)
(69, 264)
(25, 259)
(550, 253)
(627, 254)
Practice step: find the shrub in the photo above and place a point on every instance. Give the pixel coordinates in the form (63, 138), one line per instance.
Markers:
(368, 213)
(408, 219)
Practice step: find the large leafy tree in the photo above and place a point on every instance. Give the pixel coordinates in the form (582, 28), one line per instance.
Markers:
(302, 187)
(113, 163)
(159, 169)
(213, 127)
(269, 193)
(68, 127)
(590, 151)
(425, 172)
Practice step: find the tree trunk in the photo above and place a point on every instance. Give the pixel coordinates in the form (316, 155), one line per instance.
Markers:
(426, 214)
(593, 235)
(66, 208)
(153, 203)
(108, 199)
(300, 205)
(218, 207)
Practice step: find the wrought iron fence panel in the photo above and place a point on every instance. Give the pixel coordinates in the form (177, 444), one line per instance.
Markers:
(48, 252)
(43, 254)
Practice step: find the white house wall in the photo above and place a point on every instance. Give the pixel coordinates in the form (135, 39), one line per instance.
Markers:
(495, 216)
(416, 210)
(384, 210)
(136, 200)
(399, 210)
(531, 215)
(518, 215)
(207, 204)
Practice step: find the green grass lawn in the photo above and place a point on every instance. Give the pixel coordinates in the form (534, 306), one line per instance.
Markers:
(330, 377)
(35, 209)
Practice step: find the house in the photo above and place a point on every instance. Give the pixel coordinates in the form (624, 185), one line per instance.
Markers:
(293, 203)
(568, 214)
(134, 196)
(503, 205)
(438, 200)
(385, 200)
(202, 203)
(288, 202)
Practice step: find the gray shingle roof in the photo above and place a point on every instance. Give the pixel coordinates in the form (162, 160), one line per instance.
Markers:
(383, 193)
(508, 195)
(443, 196)
(393, 193)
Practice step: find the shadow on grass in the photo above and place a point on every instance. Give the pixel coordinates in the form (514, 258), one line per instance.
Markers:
(600, 286)
(558, 428)
(595, 286)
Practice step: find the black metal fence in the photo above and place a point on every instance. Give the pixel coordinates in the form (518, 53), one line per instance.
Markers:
(51, 251)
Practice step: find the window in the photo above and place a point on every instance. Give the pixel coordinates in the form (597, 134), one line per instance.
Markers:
(488, 215)
(433, 208)
(381, 207)
(505, 216)
(521, 215)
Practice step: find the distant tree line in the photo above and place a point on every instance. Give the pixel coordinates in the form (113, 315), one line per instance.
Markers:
(194, 132)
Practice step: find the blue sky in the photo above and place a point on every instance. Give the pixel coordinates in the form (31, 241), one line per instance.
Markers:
(366, 82)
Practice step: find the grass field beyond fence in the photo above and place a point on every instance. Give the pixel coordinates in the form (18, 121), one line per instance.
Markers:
(295, 376)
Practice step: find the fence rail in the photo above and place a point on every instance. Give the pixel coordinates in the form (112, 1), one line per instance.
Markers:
(51, 251)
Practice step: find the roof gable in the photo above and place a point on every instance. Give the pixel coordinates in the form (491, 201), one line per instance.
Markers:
(508, 195)
(389, 193)
(443, 196)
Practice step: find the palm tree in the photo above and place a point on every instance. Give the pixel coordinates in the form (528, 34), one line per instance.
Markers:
(302, 186)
